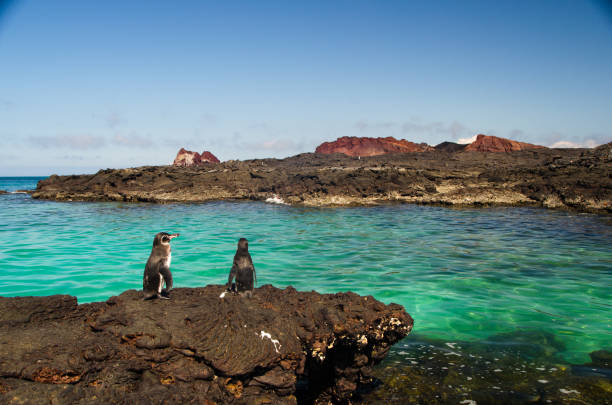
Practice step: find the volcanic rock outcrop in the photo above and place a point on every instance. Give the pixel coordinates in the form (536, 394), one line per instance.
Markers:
(364, 146)
(488, 143)
(556, 178)
(450, 147)
(188, 158)
(279, 347)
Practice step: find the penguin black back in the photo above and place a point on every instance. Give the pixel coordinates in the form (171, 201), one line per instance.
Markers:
(157, 270)
(243, 269)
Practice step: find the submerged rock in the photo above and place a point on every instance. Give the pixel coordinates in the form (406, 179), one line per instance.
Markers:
(527, 343)
(277, 347)
(428, 371)
(601, 358)
(364, 146)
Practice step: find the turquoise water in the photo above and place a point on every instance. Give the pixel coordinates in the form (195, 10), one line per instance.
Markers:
(462, 274)
(13, 184)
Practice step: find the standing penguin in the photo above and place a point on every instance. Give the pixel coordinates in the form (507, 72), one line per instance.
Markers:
(243, 270)
(157, 270)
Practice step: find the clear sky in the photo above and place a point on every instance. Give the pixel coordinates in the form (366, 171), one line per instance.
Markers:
(90, 84)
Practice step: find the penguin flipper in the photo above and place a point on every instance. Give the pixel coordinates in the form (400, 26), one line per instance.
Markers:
(233, 273)
(150, 283)
(166, 274)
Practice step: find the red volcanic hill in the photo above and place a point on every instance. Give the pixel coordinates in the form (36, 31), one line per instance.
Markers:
(188, 158)
(487, 143)
(364, 146)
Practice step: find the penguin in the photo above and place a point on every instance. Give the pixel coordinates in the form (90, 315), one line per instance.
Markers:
(243, 270)
(157, 270)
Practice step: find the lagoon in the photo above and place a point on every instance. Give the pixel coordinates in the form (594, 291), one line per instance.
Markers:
(462, 274)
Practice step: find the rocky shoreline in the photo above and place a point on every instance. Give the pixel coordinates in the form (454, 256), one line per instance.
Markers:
(280, 347)
(519, 367)
(578, 179)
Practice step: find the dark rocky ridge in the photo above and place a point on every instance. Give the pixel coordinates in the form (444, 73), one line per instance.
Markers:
(281, 346)
(450, 147)
(557, 178)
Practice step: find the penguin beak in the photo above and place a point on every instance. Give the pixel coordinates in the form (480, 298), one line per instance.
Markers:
(174, 235)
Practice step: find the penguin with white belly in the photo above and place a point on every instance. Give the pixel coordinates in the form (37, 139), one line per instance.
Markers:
(157, 271)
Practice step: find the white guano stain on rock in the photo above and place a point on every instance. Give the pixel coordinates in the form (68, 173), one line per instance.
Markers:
(275, 342)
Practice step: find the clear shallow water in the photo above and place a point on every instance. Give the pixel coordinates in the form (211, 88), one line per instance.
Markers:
(462, 274)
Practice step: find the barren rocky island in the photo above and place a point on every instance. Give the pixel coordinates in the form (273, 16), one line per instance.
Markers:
(358, 171)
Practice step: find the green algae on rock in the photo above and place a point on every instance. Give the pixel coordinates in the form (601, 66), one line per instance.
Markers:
(428, 371)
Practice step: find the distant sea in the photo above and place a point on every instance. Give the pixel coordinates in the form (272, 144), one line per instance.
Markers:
(463, 274)
(19, 183)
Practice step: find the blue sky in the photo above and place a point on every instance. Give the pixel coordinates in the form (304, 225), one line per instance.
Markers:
(95, 84)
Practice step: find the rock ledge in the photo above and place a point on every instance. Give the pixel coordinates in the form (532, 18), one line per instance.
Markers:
(281, 346)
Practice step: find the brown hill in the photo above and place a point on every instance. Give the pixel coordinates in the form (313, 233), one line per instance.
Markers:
(488, 143)
(364, 146)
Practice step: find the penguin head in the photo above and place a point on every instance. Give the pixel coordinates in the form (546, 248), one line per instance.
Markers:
(163, 238)
(243, 244)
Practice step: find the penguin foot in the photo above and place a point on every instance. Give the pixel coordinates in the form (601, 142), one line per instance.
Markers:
(148, 297)
(162, 297)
